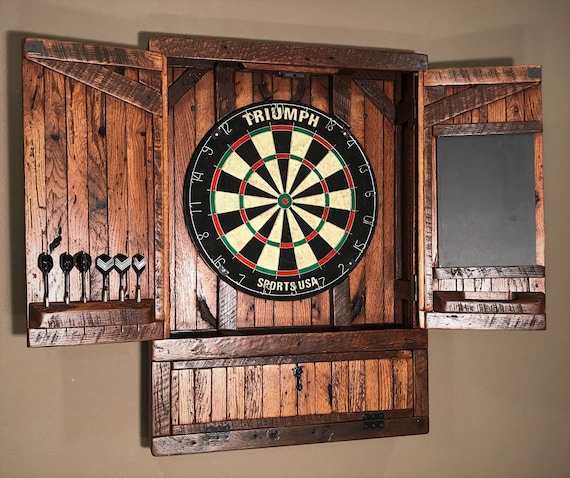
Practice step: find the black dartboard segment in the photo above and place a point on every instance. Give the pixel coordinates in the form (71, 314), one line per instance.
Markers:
(280, 200)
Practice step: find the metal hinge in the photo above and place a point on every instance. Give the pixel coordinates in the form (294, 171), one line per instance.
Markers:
(415, 287)
(218, 432)
(291, 74)
(372, 420)
(415, 111)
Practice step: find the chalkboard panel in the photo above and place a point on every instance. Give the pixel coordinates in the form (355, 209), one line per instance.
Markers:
(486, 200)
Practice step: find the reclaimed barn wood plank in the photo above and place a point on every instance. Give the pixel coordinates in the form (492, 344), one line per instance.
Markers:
(488, 128)
(296, 420)
(95, 335)
(421, 396)
(206, 278)
(57, 224)
(253, 391)
(489, 272)
(323, 387)
(287, 54)
(203, 395)
(340, 386)
(467, 100)
(182, 119)
(270, 345)
(185, 402)
(97, 183)
(35, 217)
(160, 406)
(77, 192)
(292, 435)
(271, 391)
(376, 94)
(220, 400)
(386, 375)
(285, 359)
(91, 314)
(485, 321)
(117, 181)
(86, 53)
(288, 395)
(183, 84)
(110, 82)
(389, 206)
(356, 386)
(372, 384)
(373, 282)
(307, 396)
(482, 75)
(235, 393)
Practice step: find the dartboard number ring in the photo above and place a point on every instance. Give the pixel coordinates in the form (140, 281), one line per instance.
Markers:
(280, 200)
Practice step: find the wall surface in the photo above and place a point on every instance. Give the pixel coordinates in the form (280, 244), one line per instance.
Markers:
(498, 400)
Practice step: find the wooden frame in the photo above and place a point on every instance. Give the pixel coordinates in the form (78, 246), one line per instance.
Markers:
(482, 101)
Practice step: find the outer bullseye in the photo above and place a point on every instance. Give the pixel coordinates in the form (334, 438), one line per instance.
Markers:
(285, 201)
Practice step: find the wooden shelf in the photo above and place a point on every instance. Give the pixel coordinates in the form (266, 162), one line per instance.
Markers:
(93, 323)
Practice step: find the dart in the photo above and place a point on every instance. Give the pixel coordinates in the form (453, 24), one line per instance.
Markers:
(122, 264)
(83, 263)
(66, 264)
(104, 265)
(45, 263)
(139, 263)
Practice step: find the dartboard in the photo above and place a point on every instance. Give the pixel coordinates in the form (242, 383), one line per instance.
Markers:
(280, 200)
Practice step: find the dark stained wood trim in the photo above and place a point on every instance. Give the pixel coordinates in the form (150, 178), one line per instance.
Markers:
(378, 98)
(421, 396)
(289, 359)
(291, 421)
(468, 100)
(483, 75)
(89, 314)
(283, 436)
(341, 97)
(184, 83)
(512, 127)
(282, 344)
(161, 399)
(487, 272)
(287, 54)
(106, 80)
(95, 335)
(35, 48)
(225, 90)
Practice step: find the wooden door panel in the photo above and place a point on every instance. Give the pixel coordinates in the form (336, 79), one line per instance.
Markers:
(480, 102)
(231, 386)
(94, 183)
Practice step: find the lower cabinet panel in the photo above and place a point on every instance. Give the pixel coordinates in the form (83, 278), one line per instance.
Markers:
(226, 398)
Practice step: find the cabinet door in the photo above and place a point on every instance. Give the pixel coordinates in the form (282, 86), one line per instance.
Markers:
(481, 208)
(95, 180)
(223, 393)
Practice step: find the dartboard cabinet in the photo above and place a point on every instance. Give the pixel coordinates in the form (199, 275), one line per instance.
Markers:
(283, 221)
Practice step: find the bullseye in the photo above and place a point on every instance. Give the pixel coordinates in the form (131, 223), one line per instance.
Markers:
(285, 201)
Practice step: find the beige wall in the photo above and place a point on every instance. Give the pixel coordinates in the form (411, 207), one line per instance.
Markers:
(500, 402)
